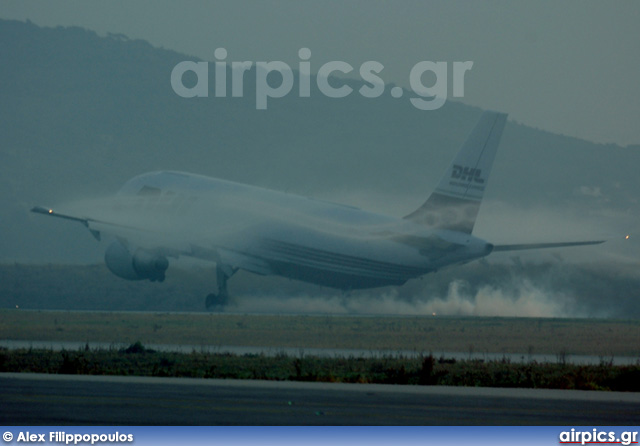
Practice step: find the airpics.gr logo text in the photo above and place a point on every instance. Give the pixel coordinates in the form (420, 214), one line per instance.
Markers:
(269, 86)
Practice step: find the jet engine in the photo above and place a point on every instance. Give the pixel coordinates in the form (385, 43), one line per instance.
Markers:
(140, 265)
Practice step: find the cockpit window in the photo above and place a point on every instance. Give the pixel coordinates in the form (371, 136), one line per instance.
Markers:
(148, 191)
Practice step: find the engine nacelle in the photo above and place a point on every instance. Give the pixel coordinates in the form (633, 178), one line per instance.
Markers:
(140, 265)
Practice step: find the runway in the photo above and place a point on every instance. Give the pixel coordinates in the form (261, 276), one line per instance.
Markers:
(38, 399)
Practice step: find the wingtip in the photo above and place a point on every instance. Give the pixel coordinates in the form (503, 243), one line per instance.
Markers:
(42, 210)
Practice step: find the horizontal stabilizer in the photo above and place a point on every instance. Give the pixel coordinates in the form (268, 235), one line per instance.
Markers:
(521, 246)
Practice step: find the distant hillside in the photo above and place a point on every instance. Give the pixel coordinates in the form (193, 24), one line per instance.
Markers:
(80, 114)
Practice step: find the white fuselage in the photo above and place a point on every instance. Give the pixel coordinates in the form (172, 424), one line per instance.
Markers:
(271, 232)
(162, 215)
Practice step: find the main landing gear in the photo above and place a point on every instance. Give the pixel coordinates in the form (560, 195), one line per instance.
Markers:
(217, 302)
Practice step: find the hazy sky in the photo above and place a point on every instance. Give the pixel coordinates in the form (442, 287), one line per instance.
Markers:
(569, 67)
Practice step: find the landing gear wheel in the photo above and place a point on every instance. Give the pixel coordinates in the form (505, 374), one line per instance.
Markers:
(218, 301)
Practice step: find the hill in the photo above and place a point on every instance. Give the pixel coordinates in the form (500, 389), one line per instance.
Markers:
(82, 113)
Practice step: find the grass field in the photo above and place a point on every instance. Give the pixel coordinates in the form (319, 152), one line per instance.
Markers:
(394, 369)
(595, 337)
(426, 335)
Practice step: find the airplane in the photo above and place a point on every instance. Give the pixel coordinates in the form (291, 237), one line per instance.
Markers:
(161, 215)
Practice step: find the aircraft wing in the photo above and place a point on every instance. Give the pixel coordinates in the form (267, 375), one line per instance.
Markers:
(49, 211)
(97, 225)
(160, 243)
(84, 220)
(143, 236)
(522, 246)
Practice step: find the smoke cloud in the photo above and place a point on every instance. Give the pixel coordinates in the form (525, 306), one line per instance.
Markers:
(524, 300)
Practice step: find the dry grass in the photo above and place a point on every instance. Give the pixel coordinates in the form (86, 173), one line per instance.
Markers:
(423, 334)
(426, 370)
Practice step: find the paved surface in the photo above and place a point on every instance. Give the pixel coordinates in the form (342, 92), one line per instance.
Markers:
(35, 399)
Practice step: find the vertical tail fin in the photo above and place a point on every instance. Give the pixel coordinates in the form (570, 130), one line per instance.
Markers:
(455, 203)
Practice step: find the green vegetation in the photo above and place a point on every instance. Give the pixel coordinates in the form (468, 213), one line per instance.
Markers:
(426, 370)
